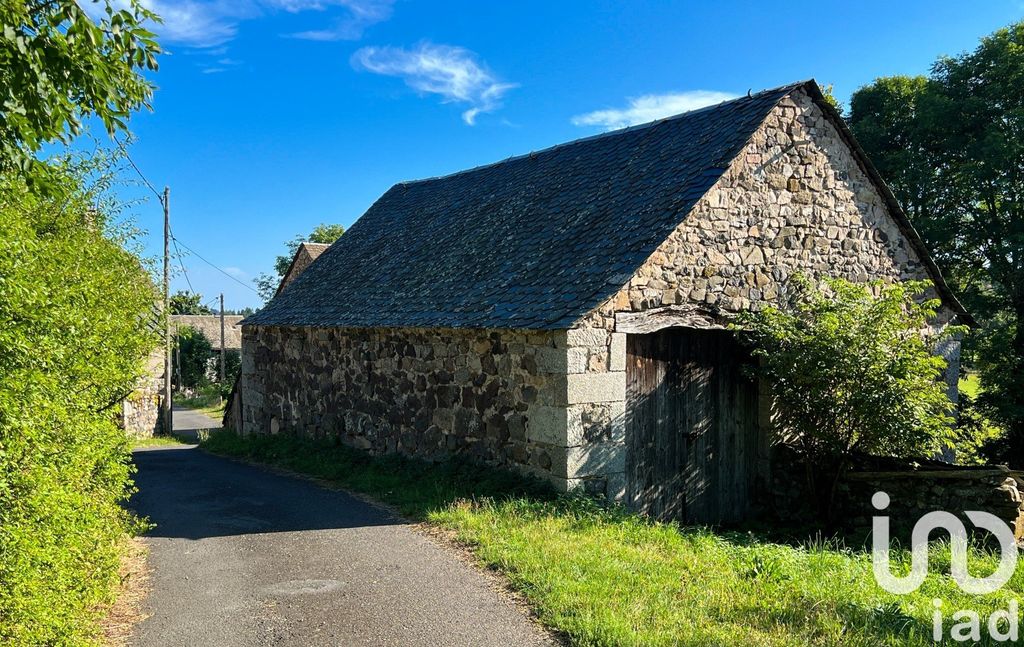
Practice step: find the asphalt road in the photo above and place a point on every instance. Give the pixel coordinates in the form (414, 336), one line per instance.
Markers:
(242, 556)
(188, 422)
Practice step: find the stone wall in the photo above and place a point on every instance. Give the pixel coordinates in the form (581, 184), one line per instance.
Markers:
(794, 200)
(139, 414)
(913, 492)
(501, 397)
(304, 257)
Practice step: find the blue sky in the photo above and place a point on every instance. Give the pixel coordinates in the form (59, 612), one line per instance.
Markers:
(274, 115)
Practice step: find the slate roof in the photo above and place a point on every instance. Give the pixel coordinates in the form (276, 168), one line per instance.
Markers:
(305, 254)
(209, 327)
(531, 242)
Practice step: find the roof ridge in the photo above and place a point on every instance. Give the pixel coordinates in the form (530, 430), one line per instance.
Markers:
(610, 133)
(528, 244)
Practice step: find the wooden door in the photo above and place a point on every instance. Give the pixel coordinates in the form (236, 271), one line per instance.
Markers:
(691, 425)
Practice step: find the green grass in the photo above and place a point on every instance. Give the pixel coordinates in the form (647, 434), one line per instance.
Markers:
(156, 441)
(207, 400)
(603, 576)
(970, 384)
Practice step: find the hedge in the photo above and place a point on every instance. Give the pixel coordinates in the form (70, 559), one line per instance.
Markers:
(75, 310)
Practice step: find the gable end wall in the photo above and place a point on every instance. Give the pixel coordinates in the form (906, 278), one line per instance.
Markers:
(795, 200)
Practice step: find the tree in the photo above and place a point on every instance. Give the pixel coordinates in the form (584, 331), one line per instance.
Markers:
(188, 303)
(830, 98)
(245, 312)
(58, 66)
(851, 373)
(196, 357)
(266, 284)
(952, 148)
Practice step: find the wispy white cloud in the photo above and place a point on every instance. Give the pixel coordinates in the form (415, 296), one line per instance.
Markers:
(211, 23)
(650, 107)
(196, 24)
(362, 14)
(454, 73)
(236, 272)
(216, 67)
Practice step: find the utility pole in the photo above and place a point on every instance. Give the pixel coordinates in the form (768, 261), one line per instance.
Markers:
(168, 415)
(222, 338)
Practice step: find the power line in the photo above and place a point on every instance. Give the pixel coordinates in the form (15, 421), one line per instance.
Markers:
(210, 301)
(182, 265)
(174, 238)
(200, 257)
(142, 175)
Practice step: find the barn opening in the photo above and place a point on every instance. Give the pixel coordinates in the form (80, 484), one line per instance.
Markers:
(692, 426)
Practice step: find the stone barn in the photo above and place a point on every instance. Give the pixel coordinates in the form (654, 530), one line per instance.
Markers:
(563, 313)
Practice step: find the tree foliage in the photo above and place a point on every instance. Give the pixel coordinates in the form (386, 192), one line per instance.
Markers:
(830, 97)
(59, 65)
(76, 319)
(951, 146)
(188, 303)
(76, 315)
(850, 370)
(196, 355)
(266, 284)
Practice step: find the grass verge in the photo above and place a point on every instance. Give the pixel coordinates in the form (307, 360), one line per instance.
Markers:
(156, 441)
(603, 576)
(206, 400)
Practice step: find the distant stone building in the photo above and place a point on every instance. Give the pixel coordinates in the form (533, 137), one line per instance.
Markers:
(209, 326)
(563, 313)
(139, 414)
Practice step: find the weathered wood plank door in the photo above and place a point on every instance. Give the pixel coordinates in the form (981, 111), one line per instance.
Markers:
(691, 426)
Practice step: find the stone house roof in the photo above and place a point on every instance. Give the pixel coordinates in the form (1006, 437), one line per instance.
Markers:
(305, 254)
(209, 327)
(536, 241)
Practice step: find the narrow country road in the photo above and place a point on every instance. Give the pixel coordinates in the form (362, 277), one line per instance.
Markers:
(242, 556)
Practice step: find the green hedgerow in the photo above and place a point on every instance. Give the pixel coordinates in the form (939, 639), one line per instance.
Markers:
(75, 314)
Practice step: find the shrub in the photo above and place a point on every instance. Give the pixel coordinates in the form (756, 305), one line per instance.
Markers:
(74, 312)
(196, 356)
(851, 369)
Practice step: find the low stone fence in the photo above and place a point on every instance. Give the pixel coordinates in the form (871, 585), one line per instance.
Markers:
(913, 489)
(914, 493)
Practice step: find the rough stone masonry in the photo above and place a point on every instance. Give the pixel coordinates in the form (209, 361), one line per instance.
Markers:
(551, 403)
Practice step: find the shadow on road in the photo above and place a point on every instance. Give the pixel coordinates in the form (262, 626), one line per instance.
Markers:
(191, 494)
